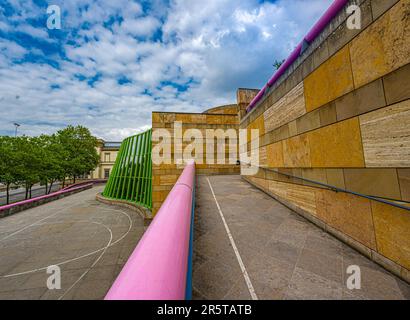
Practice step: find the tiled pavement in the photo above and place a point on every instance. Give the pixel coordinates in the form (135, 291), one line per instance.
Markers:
(285, 256)
(73, 231)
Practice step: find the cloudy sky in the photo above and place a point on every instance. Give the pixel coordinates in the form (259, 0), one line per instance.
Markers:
(114, 62)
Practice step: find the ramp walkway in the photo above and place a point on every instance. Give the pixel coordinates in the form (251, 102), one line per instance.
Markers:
(247, 245)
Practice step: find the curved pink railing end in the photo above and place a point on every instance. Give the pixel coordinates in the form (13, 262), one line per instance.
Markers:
(157, 269)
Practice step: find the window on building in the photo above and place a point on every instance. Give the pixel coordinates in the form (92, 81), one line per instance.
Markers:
(106, 173)
(107, 157)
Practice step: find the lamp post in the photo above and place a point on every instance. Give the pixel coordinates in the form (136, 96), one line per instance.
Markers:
(16, 125)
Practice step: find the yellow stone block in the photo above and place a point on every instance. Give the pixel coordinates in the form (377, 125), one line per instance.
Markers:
(392, 232)
(317, 175)
(168, 179)
(156, 180)
(230, 120)
(191, 118)
(331, 80)
(156, 117)
(213, 119)
(347, 213)
(258, 124)
(382, 47)
(293, 128)
(337, 146)
(163, 117)
(262, 183)
(159, 196)
(275, 155)
(335, 178)
(296, 152)
(164, 166)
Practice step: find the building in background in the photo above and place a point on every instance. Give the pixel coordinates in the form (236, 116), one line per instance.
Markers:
(108, 153)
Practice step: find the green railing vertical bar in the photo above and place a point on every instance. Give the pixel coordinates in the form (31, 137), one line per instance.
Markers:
(149, 152)
(131, 177)
(142, 174)
(124, 170)
(117, 181)
(136, 175)
(141, 161)
(133, 167)
(143, 180)
(146, 167)
(129, 168)
(118, 166)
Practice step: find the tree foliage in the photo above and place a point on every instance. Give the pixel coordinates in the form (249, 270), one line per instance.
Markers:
(79, 155)
(277, 64)
(25, 161)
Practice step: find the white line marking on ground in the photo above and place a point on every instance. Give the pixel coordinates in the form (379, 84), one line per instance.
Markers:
(94, 263)
(35, 223)
(77, 258)
(235, 249)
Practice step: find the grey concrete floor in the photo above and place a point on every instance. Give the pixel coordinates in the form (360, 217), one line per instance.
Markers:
(88, 240)
(285, 256)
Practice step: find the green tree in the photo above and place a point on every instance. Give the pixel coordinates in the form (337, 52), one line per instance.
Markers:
(46, 159)
(29, 159)
(8, 162)
(80, 155)
(51, 166)
(277, 64)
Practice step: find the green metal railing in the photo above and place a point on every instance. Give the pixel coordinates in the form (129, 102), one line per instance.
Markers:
(131, 176)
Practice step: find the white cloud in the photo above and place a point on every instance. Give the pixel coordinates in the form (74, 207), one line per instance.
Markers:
(213, 47)
(34, 32)
(11, 50)
(144, 26)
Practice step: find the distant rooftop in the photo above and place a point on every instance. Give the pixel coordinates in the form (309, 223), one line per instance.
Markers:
(112, 144)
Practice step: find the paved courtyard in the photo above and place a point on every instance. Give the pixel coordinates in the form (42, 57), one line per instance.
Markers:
(284, 256)
(276, 254)
(88, 240)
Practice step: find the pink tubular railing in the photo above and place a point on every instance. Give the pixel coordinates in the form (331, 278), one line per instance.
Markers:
(50, 195)
(93, 181)
(317, 29)
(158, 267)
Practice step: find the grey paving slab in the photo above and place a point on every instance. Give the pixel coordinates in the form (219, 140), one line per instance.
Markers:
(73, 233)
(285, 256)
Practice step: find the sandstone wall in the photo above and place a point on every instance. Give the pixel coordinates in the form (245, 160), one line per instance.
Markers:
(228, 109)
(165, 175)
(341, 117)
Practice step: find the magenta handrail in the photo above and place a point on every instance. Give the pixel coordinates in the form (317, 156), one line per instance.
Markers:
(63, 191)
(157, 269)
(93, 181)
(316, 30)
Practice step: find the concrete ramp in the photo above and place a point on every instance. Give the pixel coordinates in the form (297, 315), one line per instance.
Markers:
(266, 251)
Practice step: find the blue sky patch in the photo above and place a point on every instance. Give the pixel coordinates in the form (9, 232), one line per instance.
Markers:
(114, 62)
